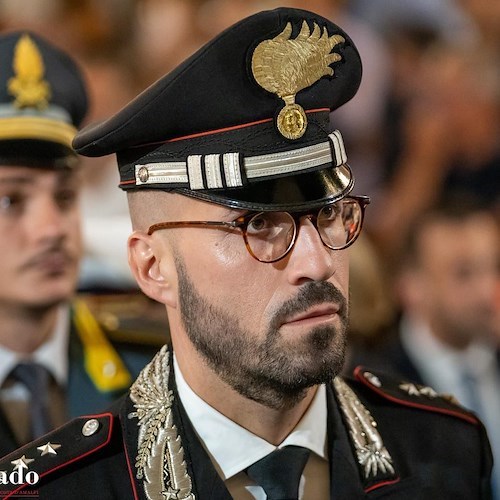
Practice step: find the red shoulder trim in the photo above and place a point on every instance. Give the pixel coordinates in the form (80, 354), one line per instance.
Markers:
(390, 389)
(98, 441)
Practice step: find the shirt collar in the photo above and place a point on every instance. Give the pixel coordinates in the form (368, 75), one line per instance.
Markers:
(52, 354)
(233, 448)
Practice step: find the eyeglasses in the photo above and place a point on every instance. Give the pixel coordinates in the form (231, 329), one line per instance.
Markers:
(270, 236)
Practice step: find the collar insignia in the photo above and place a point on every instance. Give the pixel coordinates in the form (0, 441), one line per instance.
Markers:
(373, 458)
(284, 66)
(160, 459)
(28, 85)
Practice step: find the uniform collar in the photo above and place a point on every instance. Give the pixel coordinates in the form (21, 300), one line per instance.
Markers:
(233, 448)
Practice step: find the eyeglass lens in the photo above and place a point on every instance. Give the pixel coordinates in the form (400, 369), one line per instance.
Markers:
(270, 235)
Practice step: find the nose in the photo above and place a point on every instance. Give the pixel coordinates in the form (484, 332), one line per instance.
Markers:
(310, 259)
(47, 220)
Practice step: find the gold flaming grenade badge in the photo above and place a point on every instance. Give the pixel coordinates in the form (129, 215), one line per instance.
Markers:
(284, 66)
(28, 85)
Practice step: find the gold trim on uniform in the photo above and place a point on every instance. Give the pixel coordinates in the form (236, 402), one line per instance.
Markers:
(284, 66)
(102, 363)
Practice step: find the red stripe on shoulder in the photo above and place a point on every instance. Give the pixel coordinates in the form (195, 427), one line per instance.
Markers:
(411, 395)
(67, 433)
(376, 486)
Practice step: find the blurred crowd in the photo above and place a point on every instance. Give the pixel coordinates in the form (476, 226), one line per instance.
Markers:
(425, 123)
(422, 138)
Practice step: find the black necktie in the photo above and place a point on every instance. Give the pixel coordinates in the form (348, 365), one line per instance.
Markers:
(35, 378)
(279, 472)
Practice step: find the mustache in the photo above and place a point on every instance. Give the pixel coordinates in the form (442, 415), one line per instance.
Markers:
(58, 249)
(310, 294)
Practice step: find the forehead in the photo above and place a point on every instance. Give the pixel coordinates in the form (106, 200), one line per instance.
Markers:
(27, 176)
(185, 207)
(445, 241)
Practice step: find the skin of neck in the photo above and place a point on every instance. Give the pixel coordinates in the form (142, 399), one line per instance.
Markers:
(23, 329)
(273, 425)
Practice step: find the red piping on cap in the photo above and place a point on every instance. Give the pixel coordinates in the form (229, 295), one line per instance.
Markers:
(218, 131)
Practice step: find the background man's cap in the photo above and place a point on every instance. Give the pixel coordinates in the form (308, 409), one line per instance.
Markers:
(244, 122)
(42, 101)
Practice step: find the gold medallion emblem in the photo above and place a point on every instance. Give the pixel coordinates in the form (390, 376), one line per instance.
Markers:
(292, 121)
(28, 85)
(284, 66)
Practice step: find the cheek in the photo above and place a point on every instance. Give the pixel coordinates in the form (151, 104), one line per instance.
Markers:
(233, 281)
(340, 277)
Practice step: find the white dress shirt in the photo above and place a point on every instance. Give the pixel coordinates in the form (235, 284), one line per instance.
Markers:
(52, 354)
(232, 448)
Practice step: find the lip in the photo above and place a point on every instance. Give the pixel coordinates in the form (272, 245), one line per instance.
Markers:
(317, 314)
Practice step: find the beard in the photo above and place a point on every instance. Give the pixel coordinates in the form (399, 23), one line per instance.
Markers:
(273, 371)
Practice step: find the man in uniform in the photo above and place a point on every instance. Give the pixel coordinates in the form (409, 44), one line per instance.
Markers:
(54, 362)
(241, 229)
(446, 286)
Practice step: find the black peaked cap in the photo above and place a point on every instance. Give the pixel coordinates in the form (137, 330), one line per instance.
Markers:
(214, 115)
(43, 100)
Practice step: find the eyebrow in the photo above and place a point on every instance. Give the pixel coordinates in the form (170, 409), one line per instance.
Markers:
(16, 179)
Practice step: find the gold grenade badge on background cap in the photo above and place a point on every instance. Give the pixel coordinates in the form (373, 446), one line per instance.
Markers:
(28, 85)
(284, 66)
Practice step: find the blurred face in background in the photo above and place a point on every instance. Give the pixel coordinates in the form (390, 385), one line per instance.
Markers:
(40, 241)
(452, 285)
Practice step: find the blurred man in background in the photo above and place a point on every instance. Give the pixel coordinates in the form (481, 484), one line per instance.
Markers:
(54, 362)
(446, 288)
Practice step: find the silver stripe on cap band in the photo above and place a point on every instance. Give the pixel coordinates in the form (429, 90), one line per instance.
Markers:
(194, 172)
(338, 146)
(260, 166)
(288, 161)
(232, 170)
(172, 172)
(212, 170)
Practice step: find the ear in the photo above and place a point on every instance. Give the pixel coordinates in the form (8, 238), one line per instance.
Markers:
(153, 268)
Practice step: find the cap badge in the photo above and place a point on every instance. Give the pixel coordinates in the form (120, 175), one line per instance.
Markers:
(28, 85)
(284, 66)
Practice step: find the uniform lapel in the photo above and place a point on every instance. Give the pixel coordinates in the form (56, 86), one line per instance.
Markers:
(162, 448)
(345, 482)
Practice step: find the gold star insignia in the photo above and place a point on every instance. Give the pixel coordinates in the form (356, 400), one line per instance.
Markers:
(22, 462)
(48, 448)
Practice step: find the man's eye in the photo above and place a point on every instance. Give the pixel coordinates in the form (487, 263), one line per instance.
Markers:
(257, 224)
(330, 212)
(9, 203)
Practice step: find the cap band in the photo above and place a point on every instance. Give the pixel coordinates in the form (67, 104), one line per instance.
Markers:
(228, 170)
(38, 128)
